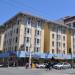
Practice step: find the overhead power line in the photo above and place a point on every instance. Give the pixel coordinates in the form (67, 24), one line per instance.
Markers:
(21, 6)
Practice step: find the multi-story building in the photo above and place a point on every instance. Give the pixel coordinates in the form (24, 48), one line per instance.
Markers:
(70, 23)
(24, 32)
(1, 37)
(55, 38)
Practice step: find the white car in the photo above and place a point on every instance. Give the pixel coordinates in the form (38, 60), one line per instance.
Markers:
(63, 65)
(1, 65)
(40, 65)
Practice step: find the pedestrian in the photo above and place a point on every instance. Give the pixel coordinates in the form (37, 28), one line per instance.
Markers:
(26, 66)
(48, 66)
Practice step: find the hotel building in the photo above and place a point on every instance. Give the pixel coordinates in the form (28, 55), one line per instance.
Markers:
(24, 32)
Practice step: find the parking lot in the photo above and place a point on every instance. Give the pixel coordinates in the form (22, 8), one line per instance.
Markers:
(23, 71)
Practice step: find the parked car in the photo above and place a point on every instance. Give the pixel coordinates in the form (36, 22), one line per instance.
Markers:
(3, 65)
(40, 65)
(63, 65)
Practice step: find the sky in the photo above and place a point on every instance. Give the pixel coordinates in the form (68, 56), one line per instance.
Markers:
(47, 9)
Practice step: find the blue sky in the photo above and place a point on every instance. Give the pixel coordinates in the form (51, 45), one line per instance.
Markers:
(50, 9)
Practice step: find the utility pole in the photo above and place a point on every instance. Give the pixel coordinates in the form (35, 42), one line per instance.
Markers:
(30, 54)
(30, 58)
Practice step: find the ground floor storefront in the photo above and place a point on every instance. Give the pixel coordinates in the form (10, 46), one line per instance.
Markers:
(20, 58)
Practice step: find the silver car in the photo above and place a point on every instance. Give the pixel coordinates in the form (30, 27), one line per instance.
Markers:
(63, 65)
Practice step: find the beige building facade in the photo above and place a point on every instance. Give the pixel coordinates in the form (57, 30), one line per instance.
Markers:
(1, 37)
(70, 23)
(57, 38)
(24, 32)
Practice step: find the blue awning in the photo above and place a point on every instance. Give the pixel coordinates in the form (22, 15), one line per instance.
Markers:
(42, 55)
(22, 54)
(11, 53)
(4, 55)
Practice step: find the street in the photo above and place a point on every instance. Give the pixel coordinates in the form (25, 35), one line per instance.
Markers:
(23, 71)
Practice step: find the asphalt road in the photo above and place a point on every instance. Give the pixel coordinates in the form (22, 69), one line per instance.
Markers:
(23, 71)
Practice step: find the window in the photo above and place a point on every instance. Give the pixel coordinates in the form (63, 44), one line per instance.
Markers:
(16, 40)
(27, 39)
(64, 38)
(64, 45)
(37, 32)
(27, 30)
(15, 48)
(59, 29)
(38, 24)
(38, 41)
(37, 49)
(69, 25)
(53, 36)
(18, 22)
(35, 40)
(17, 30)
(58, 37)
(28, 21)
(52, 50)
(64, 51)
(58, 44)
(53, 28)
(74, 24)
(27, 49)
(10, 33)
(53, 43)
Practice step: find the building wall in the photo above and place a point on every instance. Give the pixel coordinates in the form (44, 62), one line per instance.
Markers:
(70, 36)
(51, 33)
(42, 39)
(73, 41)
(11, 38)
(70, 24)
(46, 38)
(28, 29)
(21, 36)
(1, 41)
(33, 36)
